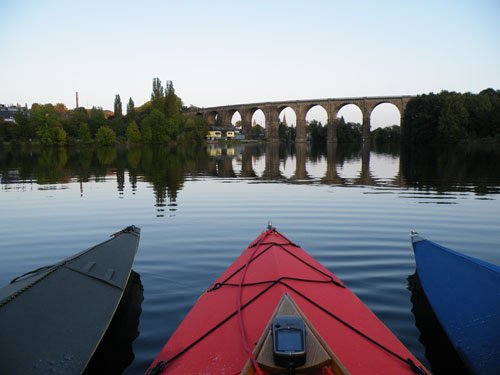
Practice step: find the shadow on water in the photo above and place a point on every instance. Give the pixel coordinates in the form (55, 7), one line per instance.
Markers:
(439, 351)
(114, 353)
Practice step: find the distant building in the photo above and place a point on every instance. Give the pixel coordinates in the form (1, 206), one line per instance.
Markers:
(223, 132)
(9, 112)
(213, 135)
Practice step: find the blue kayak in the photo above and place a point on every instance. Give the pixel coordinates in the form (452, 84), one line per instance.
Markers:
(464, 293)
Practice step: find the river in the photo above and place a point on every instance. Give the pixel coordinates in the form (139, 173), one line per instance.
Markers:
(350, 207)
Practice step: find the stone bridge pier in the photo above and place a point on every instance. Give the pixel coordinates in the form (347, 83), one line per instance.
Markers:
(223, 115)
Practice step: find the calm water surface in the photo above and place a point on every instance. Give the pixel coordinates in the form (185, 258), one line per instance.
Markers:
(352, 208)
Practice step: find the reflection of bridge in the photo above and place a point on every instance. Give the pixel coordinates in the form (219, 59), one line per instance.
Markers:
(222, 166)
(272, 110)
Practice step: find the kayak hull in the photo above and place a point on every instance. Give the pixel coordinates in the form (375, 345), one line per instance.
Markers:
(464, 293)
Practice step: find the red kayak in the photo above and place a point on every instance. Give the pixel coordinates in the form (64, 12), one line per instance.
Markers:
(277, 310)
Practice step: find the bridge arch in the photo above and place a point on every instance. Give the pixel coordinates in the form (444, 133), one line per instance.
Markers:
(235, 118)
(351, 112)
(392, 115)
(248, 113)
(212, 117)
(227, 116)
(316, 112)
(258, 117)
(319, 114)
(288, 117)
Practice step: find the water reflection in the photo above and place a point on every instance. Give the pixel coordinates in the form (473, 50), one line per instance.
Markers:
(439, 351)
(419, 170)
(115, 353)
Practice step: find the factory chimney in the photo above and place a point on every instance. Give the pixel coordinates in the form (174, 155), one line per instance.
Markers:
(77, 99)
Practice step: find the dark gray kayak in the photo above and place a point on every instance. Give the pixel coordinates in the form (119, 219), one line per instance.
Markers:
(52, 319)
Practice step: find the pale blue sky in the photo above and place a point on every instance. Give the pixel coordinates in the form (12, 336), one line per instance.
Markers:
(225, 52)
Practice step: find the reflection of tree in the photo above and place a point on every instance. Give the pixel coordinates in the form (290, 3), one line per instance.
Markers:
(133, 159)
(84, 164)
(347, 151)
(23, 161)
(121, 167)
(442, 168)
(451, 167)
(50, 168)
(106, 155)
(164, 169)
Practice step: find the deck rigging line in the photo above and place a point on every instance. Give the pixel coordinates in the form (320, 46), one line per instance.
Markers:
(161, 365)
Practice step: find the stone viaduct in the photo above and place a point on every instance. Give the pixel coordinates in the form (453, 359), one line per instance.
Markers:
(272, 110)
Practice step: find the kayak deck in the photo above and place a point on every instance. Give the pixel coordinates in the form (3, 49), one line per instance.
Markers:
(52, 319)
(319, 355)
(223, 327)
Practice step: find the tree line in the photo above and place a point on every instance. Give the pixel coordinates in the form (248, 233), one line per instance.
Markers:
(158, 121)
(451, 117)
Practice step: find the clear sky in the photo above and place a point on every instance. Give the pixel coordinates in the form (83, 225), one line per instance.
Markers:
(227, 52)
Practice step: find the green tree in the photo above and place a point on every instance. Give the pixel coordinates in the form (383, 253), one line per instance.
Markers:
(284, 132)
(131, 110)
(192, 129)
(9, 132)
(106, 136)
(118, 107)
(257, 132)
(172, 103)
(159, 126)
(453, 120)
(133, 133)
(478, 108)
(348, 132)
(452, 117)
(2, 131)
(59, 136)
(317, 132)
(26, 130)
(77, 117)
(420, 119)
(84, 134)
(48, 127)
(172, 128)
(51, 136)
(491, 118)
(96, 120)
(146, 132)
(118, 126)
(157, 95)
(386, 135)
(44, 134)
(43, 115)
